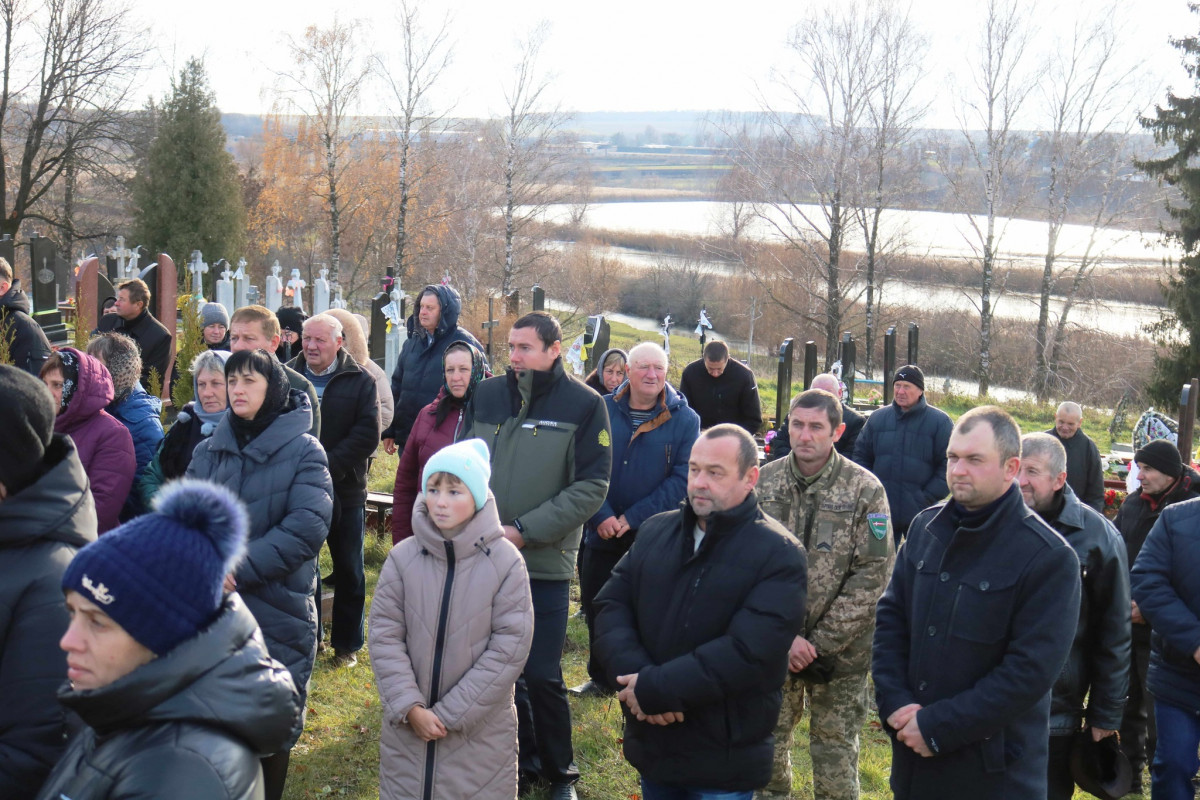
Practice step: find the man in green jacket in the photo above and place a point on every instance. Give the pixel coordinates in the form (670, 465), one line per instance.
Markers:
(549, 439)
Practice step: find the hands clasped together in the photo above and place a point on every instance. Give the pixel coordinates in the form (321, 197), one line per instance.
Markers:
(627, 696)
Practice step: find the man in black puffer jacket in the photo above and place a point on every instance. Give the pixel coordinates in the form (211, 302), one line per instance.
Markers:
(46, 514)
(1164, 481)
(1098, 666)
(696, 623)
(418, 375)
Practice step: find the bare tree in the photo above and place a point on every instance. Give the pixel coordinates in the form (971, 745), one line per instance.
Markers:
(1088, 91)
(988, 183)
(531, 156)
(892, 114)
(424, 56)
(69, 69)
(330, 72)
(810, 153)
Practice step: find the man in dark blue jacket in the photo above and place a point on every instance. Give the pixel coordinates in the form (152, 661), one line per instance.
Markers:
(695, 625)
(904, 444)
(418, 374)
(1098, 666)
(973, 630)
(652, 435)
(1166, 587)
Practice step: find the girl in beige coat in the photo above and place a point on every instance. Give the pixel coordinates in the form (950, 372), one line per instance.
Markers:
(451, 624)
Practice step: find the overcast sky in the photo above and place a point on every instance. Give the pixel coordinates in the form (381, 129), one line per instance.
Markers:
(620, 55)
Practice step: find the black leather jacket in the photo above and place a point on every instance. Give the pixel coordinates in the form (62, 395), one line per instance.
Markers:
(190, 725)
(1098, 665)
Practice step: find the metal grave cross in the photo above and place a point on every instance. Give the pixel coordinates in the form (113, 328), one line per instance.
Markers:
(491, 323)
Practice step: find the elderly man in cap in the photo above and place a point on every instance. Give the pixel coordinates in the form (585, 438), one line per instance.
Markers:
(904, 444)
(1165, 481)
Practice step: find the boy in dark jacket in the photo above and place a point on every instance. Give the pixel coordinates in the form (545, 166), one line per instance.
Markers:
(695, 626)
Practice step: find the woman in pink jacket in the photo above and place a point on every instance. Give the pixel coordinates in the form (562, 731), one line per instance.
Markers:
(450, 629)
(82, 388)
(436, 426)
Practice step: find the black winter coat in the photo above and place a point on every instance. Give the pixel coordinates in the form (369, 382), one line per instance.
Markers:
(418, 375)
(1166, 586)
(282, 477)
(1137, 516)
(906, 450)
(152, 337)
(41, 527)
(190, 725)
(707, 633)
(1098, 665)
(350, 432)
(1085, 471)
(733, 397)
(975, 626)
(29, 346)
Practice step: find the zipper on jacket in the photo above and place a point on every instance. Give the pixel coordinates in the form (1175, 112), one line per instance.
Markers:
(435, 680)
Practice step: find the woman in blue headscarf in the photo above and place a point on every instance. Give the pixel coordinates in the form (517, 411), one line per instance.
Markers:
(195, 423)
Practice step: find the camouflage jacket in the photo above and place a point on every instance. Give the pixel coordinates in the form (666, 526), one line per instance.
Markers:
(843, 521)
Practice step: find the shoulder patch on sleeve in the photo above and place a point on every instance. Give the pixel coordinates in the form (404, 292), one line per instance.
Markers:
(604, 439)
(878, 524)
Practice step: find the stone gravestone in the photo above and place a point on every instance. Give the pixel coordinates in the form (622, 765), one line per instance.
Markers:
(241, 286)
(295, 289)
(320, 292)
(8, 251)
(89, 295)
(377, 337)
(274, 295)
(225, 289)
(337, 301)
(45, 270)
(120, 258)
(199, 269)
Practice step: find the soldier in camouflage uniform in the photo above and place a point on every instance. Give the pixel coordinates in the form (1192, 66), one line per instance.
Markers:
(839, 512)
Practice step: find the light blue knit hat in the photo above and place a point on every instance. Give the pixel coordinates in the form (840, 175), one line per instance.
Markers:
(468, 461)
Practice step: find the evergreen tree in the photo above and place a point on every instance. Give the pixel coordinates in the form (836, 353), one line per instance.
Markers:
(187, 192)
(1177, 124)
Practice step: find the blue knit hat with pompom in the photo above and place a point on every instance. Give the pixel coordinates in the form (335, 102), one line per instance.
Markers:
(161, 576)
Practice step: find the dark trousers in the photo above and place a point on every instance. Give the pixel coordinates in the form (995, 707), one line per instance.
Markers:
(1175, 759)
(350, 585)
(543, 714)
(1138, 736)
(597, 568)
(1060, 783)
(275, 769)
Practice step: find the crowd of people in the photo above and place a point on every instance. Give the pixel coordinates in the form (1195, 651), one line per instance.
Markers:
(161, 598)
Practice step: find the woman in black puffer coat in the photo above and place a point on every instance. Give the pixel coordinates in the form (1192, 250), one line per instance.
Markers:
(262, 451)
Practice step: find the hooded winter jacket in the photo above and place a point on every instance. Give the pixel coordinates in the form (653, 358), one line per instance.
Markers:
(283, 478)
(451, 625)
(906, 450)
(426, 438)
(190, 725)
(105, 445)
(29, 346)
(418, 374)
(41, 527)
(141, 413)
(649, 472)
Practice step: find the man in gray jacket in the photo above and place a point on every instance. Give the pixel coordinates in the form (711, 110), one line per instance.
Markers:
(1098, 664)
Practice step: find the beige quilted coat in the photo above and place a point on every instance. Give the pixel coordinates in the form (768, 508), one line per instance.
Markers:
(485, 639)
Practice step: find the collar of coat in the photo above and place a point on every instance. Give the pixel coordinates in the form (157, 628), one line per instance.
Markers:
(717, 525)
(343, 361)
(914, 409)
(823, 479)
(622, 398)
(1010, 504)
(526, 384)
(478, 534)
